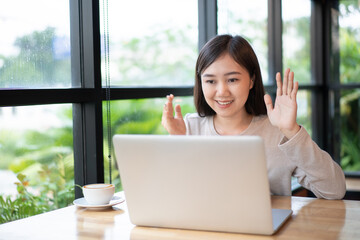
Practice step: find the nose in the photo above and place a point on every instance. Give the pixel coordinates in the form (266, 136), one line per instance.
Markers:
(222, 89)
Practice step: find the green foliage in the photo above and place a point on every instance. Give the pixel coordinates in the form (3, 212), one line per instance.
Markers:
(350, 151)
(24, 205)
(350, 6)
(144, 61)
(53, 189)
(35, 65)
(350, 99)
(350, 130)
(57, 180)
(299, 61)
(349, 56)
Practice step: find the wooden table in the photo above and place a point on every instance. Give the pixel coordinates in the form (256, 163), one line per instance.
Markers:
(312, 219)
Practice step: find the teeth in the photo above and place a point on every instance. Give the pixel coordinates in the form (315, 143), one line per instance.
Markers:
(224, 103)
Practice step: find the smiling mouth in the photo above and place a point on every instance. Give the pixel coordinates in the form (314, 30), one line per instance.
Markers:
(223, 103)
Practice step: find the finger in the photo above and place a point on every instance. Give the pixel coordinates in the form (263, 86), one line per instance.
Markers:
(164, 118)
(166, 114)
(285, 82)
(168, 107)
(170, 97)
(290, 83)
(278, 84)
(268, 103)
(294, 91)
(178, 113)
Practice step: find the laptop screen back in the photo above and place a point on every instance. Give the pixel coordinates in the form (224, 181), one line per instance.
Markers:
(196, 182)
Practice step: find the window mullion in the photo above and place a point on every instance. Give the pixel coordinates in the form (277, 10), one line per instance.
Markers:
(274, 39)
(333, 77)
(87, 116)
(319, 98)
(207, 20)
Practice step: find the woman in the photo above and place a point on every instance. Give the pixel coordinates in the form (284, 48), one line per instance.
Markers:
(230, 100)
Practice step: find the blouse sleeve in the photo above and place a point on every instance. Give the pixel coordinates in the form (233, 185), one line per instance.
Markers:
(315, 169)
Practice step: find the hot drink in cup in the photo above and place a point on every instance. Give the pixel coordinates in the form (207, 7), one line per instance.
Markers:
(98, 193)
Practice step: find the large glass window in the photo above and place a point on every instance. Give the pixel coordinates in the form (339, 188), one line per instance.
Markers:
(349, 21)
(296, 38)
(152, 42)
(304, 110)
(36, 159)
(250, 21)
(35, 44)
(349, 31)
(36, 142)
(350, 130)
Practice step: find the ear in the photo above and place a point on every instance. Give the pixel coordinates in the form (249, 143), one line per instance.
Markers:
(252, 80)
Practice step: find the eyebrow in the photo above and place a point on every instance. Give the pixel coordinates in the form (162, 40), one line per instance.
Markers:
(226, 74)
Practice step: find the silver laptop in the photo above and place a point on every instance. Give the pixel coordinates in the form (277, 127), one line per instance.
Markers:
(197, 182)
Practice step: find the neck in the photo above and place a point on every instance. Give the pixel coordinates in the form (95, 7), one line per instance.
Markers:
(231, 125)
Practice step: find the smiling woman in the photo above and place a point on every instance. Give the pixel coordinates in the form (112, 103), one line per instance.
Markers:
(226, 86)
(290, 151)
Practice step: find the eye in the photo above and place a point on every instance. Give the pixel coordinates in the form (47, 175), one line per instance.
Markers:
(210, 81)
(231, 80)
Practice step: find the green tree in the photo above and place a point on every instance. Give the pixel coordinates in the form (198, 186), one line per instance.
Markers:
(35, 65)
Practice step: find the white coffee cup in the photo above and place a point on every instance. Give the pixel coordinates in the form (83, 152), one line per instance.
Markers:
(98, 193)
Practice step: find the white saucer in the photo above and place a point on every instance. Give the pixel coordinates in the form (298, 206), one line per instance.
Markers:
(81, 202)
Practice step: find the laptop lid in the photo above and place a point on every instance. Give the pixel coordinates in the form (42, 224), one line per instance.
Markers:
(196, 182)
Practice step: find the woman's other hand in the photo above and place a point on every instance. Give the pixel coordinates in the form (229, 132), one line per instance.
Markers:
(175, 125)
(283, 114)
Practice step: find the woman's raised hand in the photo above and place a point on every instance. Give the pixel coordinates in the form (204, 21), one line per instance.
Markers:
(175, 125)
(283, 114)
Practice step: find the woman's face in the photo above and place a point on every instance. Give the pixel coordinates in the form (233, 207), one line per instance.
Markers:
(226, 87)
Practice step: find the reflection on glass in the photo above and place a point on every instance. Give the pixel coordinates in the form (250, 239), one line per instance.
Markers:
(36, 151)
(349, 21)
(141, 116)
(350, 129)
(296, 38)
(152, 42)
(35, 45)
(248, 20)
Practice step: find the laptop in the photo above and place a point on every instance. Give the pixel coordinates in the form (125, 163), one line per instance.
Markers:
(211, 183)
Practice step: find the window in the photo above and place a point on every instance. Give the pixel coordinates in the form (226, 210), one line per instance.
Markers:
(158, 52)
(36, 133)
(349, 41)
(36, 152)
(157, 49)
(296, 52)
(296, 38)
(35, 53)
(250, 21)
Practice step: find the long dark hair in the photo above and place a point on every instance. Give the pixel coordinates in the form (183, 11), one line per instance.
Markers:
(241, 51)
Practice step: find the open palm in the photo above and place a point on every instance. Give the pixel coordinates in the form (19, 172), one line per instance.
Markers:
(175, 125)
(283, 114)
